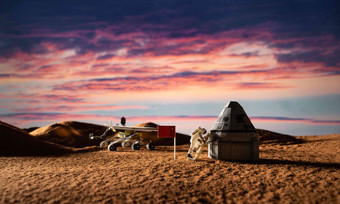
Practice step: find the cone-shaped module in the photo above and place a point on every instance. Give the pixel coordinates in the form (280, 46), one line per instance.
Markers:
(233, 136)
(233, 118)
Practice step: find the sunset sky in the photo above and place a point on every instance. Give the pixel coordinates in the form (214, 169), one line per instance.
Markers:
(173, 62)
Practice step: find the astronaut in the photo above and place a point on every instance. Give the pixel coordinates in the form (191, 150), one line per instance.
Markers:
(197, 142)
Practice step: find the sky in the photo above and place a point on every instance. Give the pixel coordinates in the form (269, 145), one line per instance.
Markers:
(175, 62)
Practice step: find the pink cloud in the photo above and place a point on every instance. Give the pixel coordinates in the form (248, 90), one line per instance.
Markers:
(260, 85)
(77, 107)
(296, 120)
(167, 82)
(154, 50)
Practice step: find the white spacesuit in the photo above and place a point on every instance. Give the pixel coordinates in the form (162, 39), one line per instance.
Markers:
(197, 142)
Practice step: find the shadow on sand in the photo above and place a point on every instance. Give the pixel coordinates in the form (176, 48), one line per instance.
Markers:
(279, 162)
(299, 163)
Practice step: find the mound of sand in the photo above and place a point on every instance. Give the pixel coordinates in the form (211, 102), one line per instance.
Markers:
(319, 137)
(266, 136)
(15, 141)
(69, 133)
(30, 129)
(147, 124)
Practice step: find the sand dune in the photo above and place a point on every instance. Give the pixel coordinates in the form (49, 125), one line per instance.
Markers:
(266, 136)
(15, 141)
(69, 133)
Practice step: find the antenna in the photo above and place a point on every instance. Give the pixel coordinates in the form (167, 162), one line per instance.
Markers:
(123, 121)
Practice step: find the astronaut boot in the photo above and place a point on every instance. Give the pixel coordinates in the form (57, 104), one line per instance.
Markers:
(189, 155)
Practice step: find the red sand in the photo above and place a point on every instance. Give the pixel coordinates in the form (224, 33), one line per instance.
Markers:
(308, 172)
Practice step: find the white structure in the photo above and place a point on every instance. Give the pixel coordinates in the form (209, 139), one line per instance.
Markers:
(233, 136)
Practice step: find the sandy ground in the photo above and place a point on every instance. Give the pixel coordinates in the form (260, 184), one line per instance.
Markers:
(296, 173)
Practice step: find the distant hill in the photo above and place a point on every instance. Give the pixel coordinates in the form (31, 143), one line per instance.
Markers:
(266, 136)
(69, 133)
(17, 142)
(30, 129)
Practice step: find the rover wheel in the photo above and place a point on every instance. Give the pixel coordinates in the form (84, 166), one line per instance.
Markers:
(150, 146)
(103, 143)
(126, 144)
(112, 147)
(135, 146)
